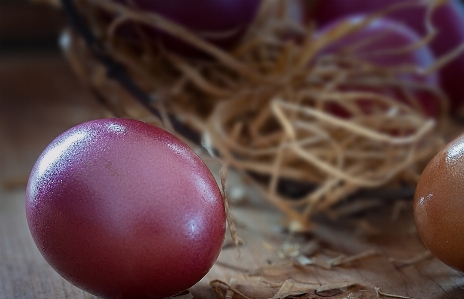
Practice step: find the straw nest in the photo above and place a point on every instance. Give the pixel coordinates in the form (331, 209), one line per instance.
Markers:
(267, 108)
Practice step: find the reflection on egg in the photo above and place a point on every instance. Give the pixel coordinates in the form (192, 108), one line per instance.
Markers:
(439, 205)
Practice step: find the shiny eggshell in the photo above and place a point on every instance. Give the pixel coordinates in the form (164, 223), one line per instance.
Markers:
(123, 209)
(439, 205)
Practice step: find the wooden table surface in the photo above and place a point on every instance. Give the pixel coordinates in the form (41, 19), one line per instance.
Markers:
(40, 98)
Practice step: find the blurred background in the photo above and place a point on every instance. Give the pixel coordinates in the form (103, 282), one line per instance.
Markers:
(39, 95)
(36, 86)
(28, 27)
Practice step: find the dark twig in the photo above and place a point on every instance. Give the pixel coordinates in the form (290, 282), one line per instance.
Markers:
(114, 69)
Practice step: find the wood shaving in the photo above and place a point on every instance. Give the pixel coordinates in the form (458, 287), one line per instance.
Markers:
(267, 107)
(341, 260)
(183, 295)
(290, 288)
(295, 252)
(232, 284)
(333, 286)
(222, 289)
(356, 257)
(382, 295)
(400, 263)
(292, 253)
(286, 291)
(303, 260)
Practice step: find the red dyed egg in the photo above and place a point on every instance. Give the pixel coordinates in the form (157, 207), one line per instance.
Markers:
(123, 209)
(376, 44)
(220, 22)
(448, 20)
(439, 205)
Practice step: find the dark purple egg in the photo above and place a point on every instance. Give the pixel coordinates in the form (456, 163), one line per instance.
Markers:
(123, 209)
(220, 22)
(376, 44)
(448, 19)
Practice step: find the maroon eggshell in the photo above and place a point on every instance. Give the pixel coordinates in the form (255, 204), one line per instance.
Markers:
(448, 19)
(123, 209)
(439, 205)
(385, 34)
(220, 22)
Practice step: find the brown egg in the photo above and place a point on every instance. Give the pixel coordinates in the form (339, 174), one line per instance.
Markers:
(439, 205)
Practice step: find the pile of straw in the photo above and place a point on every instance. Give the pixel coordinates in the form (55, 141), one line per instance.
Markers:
(268, 108)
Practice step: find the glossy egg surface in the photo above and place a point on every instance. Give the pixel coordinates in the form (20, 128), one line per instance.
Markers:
(123, 209)
(439, 205)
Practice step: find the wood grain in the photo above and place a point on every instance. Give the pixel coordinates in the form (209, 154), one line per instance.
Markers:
(40, 97)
